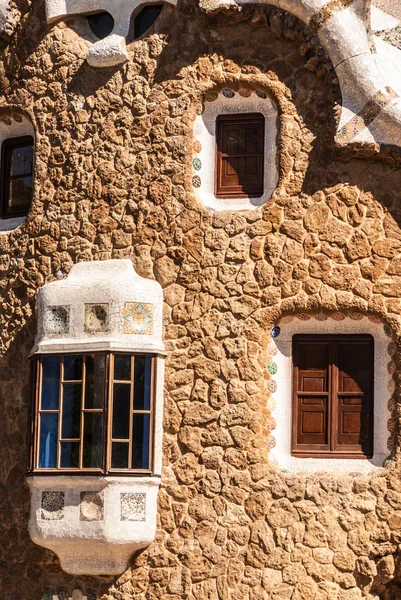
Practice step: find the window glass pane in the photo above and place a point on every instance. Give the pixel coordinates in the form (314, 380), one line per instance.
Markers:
(121, 411)
(69, 455)
(20, 195)
(48, 441)
(95, 380)
(21, 161)
(145, 19)
(50, 382)
(72, 367)
(93, 437)
(71, 410)
(119, 456)
(122, 367)
(140, 441)
(142, 382)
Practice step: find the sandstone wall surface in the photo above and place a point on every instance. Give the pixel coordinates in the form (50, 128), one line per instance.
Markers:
(113, 179)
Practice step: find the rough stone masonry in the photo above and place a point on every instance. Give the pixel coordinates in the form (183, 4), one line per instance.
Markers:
(113, 179)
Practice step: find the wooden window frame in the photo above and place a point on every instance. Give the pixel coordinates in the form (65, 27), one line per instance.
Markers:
(36, 411)
(238, 119)
(7, 148)
(332, 450)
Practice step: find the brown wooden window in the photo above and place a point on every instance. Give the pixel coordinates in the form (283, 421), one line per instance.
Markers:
(240, 155)
(16, 189)
(332, 396)
(93, 412)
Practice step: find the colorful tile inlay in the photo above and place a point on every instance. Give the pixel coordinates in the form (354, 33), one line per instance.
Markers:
(272, 368)
(355, 316)
(196, 181)
(227, 93)
(391, 386)
(386, 461)
(391, 405)
(367, 115)
(138, 318)
(197, 146)
(197, 164)
(77, 595)
(321, 317)
(387, 330)
(47, 595)
(303, 317)
(391, 425)
(271, 441)
(133, 506)
(91, 507)
(245, 93)
(52, 506)
(391, 367)
(63, 595)
(391, 36)
(57, 320)
(374, 319)
(390, 444)
(96, 318)
(272, 386)
(261, 94)
(275, 332)
(337, 316)
(211, 96)
(391, 349)
(271, 423)
(327, 12)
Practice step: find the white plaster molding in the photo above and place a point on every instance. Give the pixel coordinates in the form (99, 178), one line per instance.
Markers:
(282, 413)
(205, 135)
(93, 547)
(11, 128)
(345, 35)
(112, 50)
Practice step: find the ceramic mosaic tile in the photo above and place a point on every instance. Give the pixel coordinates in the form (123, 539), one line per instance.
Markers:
(391, 367)
(271, 441)
(197, 147)
(197, 164)
(391, 36)
(386, 461)
(337, 316)
(303, 317)
(211, 96)
(6, 120)
(271, 423)
(138, 318)
(18, 118)
(391, 349)
(321, 317)
(272, 386)
(355, 316)
(63, 595)
(52, 506)
(374, 319)
(272, 368)
(387, 330)
(391, 425)
(227, 93)
(57, 320)
(327, 12)
(261, 94)
(390, 444)
(47, 595)
(272, 349)
(367, 115)
(368, 25)
(96, 318)
(91, 596)
(391, 386)
(77, 595)
(287, 319)
(391, 405)
(275, 332)
(91, 507)
(196, 181)
(245, 93)
(133, 506)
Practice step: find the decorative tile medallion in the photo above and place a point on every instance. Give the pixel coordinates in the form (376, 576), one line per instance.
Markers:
(355, 316)
(196, 181)
(321, 317)
(52, 506)
(391, 386)
(91, 507)
(272, 368)
(272, 386)
(391, 349)
(386, 461)
(138, 318)
(17, 117)
(211, 96)
(337, 316)
(198, 131)
(391, 36)
(245, 93)
(91, 596)
(391, 405)
(57, 320)
(261, 94)
(63, 595)
(303, 317)
(133, 506)
(197, 146)
(391, 425)
(272, 349)
(271, 423)
(374, 319)
(390, 444)
(200, 109)
(271, 441)
(287, 319)
(197, 164)
(47, 595)
(391, 367)
(77, 595)
(227, 93)
(275, 332)
(96, 318)
(366, 115)
(387, 330)
(6, 120)
(327, 12)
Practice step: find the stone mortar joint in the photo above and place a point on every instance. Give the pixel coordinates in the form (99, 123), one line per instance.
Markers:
(343, 28)
(112, 50)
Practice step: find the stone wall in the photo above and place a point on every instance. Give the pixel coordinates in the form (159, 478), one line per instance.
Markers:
(113, 179)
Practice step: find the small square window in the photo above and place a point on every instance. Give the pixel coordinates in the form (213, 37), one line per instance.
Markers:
(17, 156)
(240, 155)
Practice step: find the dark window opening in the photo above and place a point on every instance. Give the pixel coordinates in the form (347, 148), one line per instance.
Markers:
(101, 23)
(144, 20)
(333, 396)
(239, 155)
(93, 412)
(17, 155)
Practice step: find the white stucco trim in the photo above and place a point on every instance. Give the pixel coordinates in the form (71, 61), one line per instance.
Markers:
(281, 348)
(205, 135)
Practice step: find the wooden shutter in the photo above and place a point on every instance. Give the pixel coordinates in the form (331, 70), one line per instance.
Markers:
(332, 396)
(240, 155)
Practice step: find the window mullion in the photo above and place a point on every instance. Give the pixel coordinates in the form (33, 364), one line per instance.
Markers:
(110, 401)
(38, 402)
(60, 411)
(81, 440)
(333, 397)
(131, 412)
(152, 411)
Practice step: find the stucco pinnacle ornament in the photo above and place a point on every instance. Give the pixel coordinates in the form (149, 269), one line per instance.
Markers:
(111, 50)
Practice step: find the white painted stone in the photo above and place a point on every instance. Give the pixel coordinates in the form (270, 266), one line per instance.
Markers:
(93, 547)
(206, 125)
(281, 454)
(14, 130)
(112, 50)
